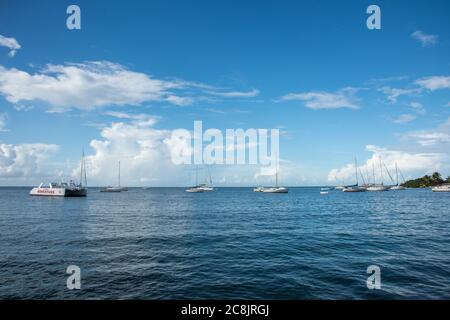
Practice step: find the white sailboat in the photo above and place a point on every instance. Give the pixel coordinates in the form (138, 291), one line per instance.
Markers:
(397, 186)
(64, 189)
(276, 188)
(377, 187)
(198, 188)
(118, 188)
(355, 188)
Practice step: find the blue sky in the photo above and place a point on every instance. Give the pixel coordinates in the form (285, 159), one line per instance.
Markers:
(334, 88)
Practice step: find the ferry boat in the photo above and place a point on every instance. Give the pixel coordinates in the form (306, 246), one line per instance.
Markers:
(442, 188)
(59, 190)
(64, 189)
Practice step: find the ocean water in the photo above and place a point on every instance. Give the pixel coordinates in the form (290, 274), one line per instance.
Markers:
(164, 243)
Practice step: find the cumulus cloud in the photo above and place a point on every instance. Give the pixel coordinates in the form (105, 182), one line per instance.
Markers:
(426, 40)
(343, 98)
(25, 160)
(144, 153)
(11, 44)
(410, 164)
(94, 84)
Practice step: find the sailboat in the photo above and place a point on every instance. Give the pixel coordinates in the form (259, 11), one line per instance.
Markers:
(200, 187)
(115, 189)
(377, 187)
(355, 188)
(64, 189)
(208, 186)
(397, 186)
(277, 188)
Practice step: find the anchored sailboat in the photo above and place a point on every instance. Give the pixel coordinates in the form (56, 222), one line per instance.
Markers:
(277, 188)
(355, 188)
(377, 187)
(397, 186)
(115, 189)
(203, 187)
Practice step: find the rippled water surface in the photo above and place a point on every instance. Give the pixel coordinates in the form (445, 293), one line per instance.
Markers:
(164, 243)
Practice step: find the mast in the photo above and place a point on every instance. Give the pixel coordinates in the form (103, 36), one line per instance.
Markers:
(381, 173)
(119, 174)
(209, 174)
(85, 175)
(276, 170)
(396, 172)
(81, 168)
(356, 172)
(196, 175)
(373, 172)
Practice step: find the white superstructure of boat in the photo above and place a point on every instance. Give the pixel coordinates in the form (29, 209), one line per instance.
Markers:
(441, 188)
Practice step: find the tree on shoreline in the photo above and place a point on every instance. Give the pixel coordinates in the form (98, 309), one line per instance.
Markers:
(426, 181)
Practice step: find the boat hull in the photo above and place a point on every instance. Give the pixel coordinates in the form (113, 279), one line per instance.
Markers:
(375, 189)
(58, 192)
(275, 190)
(441, 189)
(354, 190)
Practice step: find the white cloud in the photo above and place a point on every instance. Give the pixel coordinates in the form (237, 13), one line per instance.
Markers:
(25, 160)
(3, 119)
(432, 137)
(325, 100)
(417, 107)
(392, 94)
(404, 118)
(236, 94)
(425, 39)
(410, 164)
(434, 83)
(95, 84)
(142, 120)
(11, 44)
(144, 153)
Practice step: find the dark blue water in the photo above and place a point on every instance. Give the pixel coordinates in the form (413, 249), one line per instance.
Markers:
(233, 243)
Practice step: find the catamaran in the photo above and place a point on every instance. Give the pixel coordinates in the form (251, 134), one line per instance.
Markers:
(355, 188)
(115, 189)
(64, 189)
